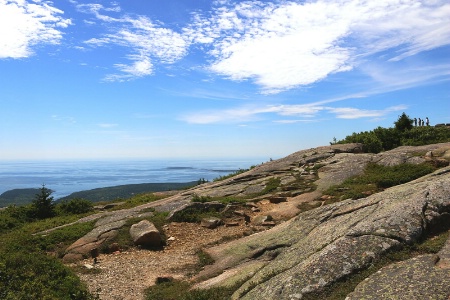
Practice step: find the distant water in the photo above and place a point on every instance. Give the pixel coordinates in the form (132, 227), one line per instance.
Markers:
(66, 177)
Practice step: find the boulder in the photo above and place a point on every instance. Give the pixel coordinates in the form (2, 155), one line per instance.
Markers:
(211, 222)
(259, 220)
(145, 234)
(93, 240)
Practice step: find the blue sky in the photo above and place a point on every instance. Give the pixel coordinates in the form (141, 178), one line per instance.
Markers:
(207, 79)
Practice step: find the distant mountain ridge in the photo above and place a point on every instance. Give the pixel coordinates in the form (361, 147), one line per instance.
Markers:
(18, 196)
(26, 196)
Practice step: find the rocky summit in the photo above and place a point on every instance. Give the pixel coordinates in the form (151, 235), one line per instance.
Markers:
(303, 253)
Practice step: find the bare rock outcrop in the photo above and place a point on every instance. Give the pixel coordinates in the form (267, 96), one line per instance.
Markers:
(303, 176)
(322, 246)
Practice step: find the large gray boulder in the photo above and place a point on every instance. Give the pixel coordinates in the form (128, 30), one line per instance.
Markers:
(145, 234)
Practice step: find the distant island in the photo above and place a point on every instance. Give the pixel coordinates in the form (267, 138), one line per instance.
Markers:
(26, 196)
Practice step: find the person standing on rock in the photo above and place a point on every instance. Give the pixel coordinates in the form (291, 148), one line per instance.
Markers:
(415, 122)
(420, 122)
(428, 122)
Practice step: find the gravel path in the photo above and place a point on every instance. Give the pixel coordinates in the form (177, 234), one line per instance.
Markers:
(125, 275)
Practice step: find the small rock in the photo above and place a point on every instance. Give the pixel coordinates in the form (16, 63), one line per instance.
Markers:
(88, 266)
(268, 223)
(258, 220)
(231, 224)
(170, 239)
(211, 222)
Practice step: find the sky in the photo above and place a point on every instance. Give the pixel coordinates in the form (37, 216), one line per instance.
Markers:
(214, 79)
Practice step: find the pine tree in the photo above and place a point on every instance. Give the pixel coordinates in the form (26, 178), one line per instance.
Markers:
(403, 123)
(43, 206)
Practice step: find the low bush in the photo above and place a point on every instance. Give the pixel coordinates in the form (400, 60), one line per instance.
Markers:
(74, 206)
(376, 178)
(37, 276)
(383, 139)
(181, 290)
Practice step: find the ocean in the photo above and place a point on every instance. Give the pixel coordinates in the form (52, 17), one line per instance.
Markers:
(66, 177)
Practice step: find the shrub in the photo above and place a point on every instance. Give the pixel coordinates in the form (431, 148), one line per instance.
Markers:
(74, 206)
(37, 276)
(271, 185)
(403, 134)
(378, 177)
(181, 290)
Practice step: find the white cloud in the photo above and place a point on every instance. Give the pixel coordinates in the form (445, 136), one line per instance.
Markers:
(277, 45)
(285, 45)
(356, 113)
(306, 112)
(146, 41)
(24, 25)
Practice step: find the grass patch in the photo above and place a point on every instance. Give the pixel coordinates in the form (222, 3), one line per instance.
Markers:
(181, 290)
(194, 216)
(377, 178)
(271, 185)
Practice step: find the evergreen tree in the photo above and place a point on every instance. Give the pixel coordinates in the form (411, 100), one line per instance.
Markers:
(42, 205)
(403, 123)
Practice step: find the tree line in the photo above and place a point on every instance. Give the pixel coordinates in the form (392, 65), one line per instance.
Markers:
(403, 133)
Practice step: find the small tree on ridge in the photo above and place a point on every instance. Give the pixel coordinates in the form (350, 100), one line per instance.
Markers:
(403, 123)
(42, 205)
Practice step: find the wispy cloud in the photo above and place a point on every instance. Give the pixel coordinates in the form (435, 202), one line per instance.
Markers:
(146, 41)
(64, 119)
(277, 45)
(107, 125)
(288, 44)
(25, 25)
(300, 113)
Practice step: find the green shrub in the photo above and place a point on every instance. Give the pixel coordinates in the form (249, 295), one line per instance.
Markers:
(181, 290)
(74, 206)
(271, 185)
(201, 199)
(36, 276)
(376, 178)
(403, 134)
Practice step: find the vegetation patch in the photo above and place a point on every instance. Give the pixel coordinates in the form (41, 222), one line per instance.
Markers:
(232, 174)
(123, 239)
(402, 134)
(271, 185)
(194, 215)
(377, 178)
(181, 290)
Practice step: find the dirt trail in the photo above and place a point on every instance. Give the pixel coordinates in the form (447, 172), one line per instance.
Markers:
(125, 275)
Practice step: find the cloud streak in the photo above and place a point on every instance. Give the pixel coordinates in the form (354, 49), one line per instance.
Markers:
(307, 113)
(24, 26)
